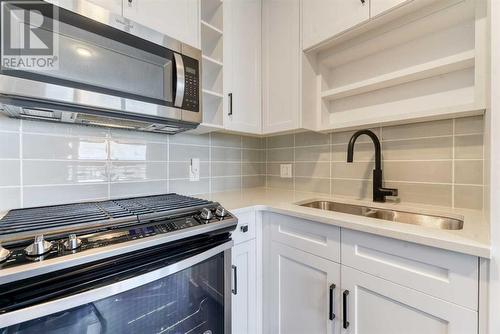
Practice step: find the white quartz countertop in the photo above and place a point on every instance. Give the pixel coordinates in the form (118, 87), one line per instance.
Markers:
(473, 239)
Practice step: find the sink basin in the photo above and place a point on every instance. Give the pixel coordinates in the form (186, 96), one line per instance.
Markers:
(443, 223)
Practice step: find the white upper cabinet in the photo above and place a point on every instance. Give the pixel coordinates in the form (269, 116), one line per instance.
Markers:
(323, 19)
(242, 65)
(281, 65)
(178, 19)
(114, 6)
(379, 6)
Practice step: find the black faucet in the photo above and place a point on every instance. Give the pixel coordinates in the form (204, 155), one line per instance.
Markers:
(379, 192)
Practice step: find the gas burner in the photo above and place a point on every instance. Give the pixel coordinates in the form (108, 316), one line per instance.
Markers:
(43, 233)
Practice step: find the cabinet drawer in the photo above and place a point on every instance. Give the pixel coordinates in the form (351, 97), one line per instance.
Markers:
(246, 226)
(312, 237)
(443, 274)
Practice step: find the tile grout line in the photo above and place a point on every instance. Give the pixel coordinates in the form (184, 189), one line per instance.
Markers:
(21, 164)
(108, 162)
(168, 164)
(331, 163)
(210, 163)
(453, 167)
(241, 162)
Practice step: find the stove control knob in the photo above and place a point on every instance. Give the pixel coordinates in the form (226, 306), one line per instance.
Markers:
(39, 247)
(72, 243)
(206, 214)
(4, 254)
(220, 212)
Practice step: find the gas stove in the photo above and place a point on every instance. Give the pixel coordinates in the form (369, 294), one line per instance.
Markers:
(71, 234)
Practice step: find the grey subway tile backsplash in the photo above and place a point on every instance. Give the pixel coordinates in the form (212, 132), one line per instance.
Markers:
(48, 163)
(469, 197)
(419, 149)
(57, 194)
(418, 130)
(469, 125)
(10, 173)
(226, 183)
(469, 147)
(280, 141)
(429, 162)
(312, 169)
(439, 162)
(143, 188)
(10, 198)
(225, 154)
(9, 145)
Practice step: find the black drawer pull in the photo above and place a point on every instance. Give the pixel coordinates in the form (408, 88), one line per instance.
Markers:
(331, 314)
(345, 323)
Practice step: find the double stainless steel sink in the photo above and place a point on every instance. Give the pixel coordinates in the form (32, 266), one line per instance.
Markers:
(443, 223)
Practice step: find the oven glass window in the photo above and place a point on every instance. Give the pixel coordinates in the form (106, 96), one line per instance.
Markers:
(190, 301)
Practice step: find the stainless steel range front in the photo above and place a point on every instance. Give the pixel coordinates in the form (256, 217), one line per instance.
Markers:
(156, 264)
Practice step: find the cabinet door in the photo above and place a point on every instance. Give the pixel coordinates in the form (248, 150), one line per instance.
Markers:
(281, 65)
(114, 6)
(301, 284)
(379, 6)
(377, 306)
(323, 19)
(244, 307)
(178, 19)
(242, 65)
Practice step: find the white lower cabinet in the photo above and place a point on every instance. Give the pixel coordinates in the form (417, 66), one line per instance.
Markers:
(244, 293)
(377, 306)
(303, 285)
(378, 285)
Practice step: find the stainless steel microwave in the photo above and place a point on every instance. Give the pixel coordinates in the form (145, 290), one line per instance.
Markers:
(110, 71)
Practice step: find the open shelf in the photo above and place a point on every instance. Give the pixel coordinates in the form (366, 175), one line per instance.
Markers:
(211, 13)
(213, 29)
(413, 73)
(210, 60)
(212, 107)
(212, 93)
(211, 25)
(211, 42)
(429, 64)
(212, 75)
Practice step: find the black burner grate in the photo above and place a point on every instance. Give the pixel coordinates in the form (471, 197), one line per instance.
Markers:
(31, 219)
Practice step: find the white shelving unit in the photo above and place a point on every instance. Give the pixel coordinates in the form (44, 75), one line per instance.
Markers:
(211, 32)
(428, 64)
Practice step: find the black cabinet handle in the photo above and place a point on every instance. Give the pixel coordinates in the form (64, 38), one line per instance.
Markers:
(345, 323)
(362, 1)
(331, 314)
(230, 96)
(235, 277)
(244, 228)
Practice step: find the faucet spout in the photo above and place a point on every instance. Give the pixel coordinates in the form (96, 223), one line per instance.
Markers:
(376, 144)
(379, 192)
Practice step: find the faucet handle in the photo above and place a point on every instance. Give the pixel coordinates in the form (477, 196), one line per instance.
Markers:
(389, 191)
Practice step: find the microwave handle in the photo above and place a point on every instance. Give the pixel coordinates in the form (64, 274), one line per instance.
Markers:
(181, 80)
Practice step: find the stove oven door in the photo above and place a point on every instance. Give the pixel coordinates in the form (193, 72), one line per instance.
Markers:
(190, 295)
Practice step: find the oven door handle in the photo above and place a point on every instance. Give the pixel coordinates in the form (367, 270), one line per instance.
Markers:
(65, 303)
(180, 84)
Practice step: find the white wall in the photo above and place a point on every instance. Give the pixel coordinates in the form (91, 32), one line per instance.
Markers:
(494, 117)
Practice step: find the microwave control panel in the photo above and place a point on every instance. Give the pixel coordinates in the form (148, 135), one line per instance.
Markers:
(192, 85)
